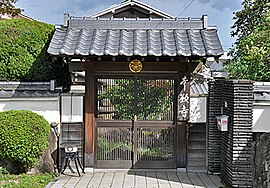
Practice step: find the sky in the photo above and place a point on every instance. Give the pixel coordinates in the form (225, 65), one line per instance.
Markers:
(220, 12)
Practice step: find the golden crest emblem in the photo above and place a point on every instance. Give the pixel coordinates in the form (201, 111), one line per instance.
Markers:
(135, 66)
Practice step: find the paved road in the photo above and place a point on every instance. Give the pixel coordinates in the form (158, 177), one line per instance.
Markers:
(137, 179)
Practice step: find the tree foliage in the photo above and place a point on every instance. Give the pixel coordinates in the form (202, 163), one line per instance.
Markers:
(252, 47)
(153, 99)
(7, 7)
(23, 52)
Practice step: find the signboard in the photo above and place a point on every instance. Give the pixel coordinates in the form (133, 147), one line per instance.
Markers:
(183, 100)
(222, 122)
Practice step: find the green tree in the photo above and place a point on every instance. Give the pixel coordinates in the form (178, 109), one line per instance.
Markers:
(153, 99)
(23, 53)
(7, 7)
(252, 47)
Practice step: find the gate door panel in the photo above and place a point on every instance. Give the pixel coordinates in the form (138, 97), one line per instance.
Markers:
(114, 144)
(135, 123)
(154, 145)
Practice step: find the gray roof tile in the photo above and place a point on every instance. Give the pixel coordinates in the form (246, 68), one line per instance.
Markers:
(129, 42)
(198, 88)
(134, 23)
(27, 89)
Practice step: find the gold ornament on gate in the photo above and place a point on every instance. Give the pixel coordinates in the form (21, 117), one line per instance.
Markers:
(135, 66)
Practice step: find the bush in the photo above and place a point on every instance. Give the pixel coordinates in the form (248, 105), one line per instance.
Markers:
(3, 170)
(24, 137)
(23, 53)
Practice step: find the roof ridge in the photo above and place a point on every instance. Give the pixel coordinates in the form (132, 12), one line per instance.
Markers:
(132, 2)
(133, 23)
(135, 19)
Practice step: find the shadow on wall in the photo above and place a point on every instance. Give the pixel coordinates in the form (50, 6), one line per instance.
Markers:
(261, 118)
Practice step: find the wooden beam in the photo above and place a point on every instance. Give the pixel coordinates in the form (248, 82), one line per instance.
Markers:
(89, 112)
(147, 66)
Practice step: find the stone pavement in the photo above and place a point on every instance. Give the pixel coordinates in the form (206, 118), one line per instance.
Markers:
(136, 179)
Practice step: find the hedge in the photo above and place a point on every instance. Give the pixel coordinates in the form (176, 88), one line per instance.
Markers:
(23, 52)
(24, 137)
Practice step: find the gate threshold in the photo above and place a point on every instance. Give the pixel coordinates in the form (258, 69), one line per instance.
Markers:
(137, 170)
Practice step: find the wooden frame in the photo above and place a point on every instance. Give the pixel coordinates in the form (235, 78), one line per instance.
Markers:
(89, 112)
(110, 69)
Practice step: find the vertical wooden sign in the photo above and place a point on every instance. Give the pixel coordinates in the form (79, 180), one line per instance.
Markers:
(184, 100)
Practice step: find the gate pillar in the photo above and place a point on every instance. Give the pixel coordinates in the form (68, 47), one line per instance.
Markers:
(182, 113)
(236, 143)
(214, 135)
(89, 112)
(230, 152)
(181, 149)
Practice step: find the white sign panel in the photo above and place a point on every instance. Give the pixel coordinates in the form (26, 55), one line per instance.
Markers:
(198, 109)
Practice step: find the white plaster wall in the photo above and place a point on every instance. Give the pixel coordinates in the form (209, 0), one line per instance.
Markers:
(72, 105)
(49, 108)
(261, 114)
(46, 107)
(198, 109)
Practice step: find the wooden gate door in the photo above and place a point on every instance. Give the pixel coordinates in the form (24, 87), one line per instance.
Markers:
(134, 123)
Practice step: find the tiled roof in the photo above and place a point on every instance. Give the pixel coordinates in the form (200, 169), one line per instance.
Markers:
(23, 94)
(28, 89)
(261, 91)
(198, 88)
(84, 37)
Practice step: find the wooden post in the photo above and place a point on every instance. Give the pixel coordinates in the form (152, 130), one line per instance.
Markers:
(89, 112)
(181, 145)
(181, 131)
